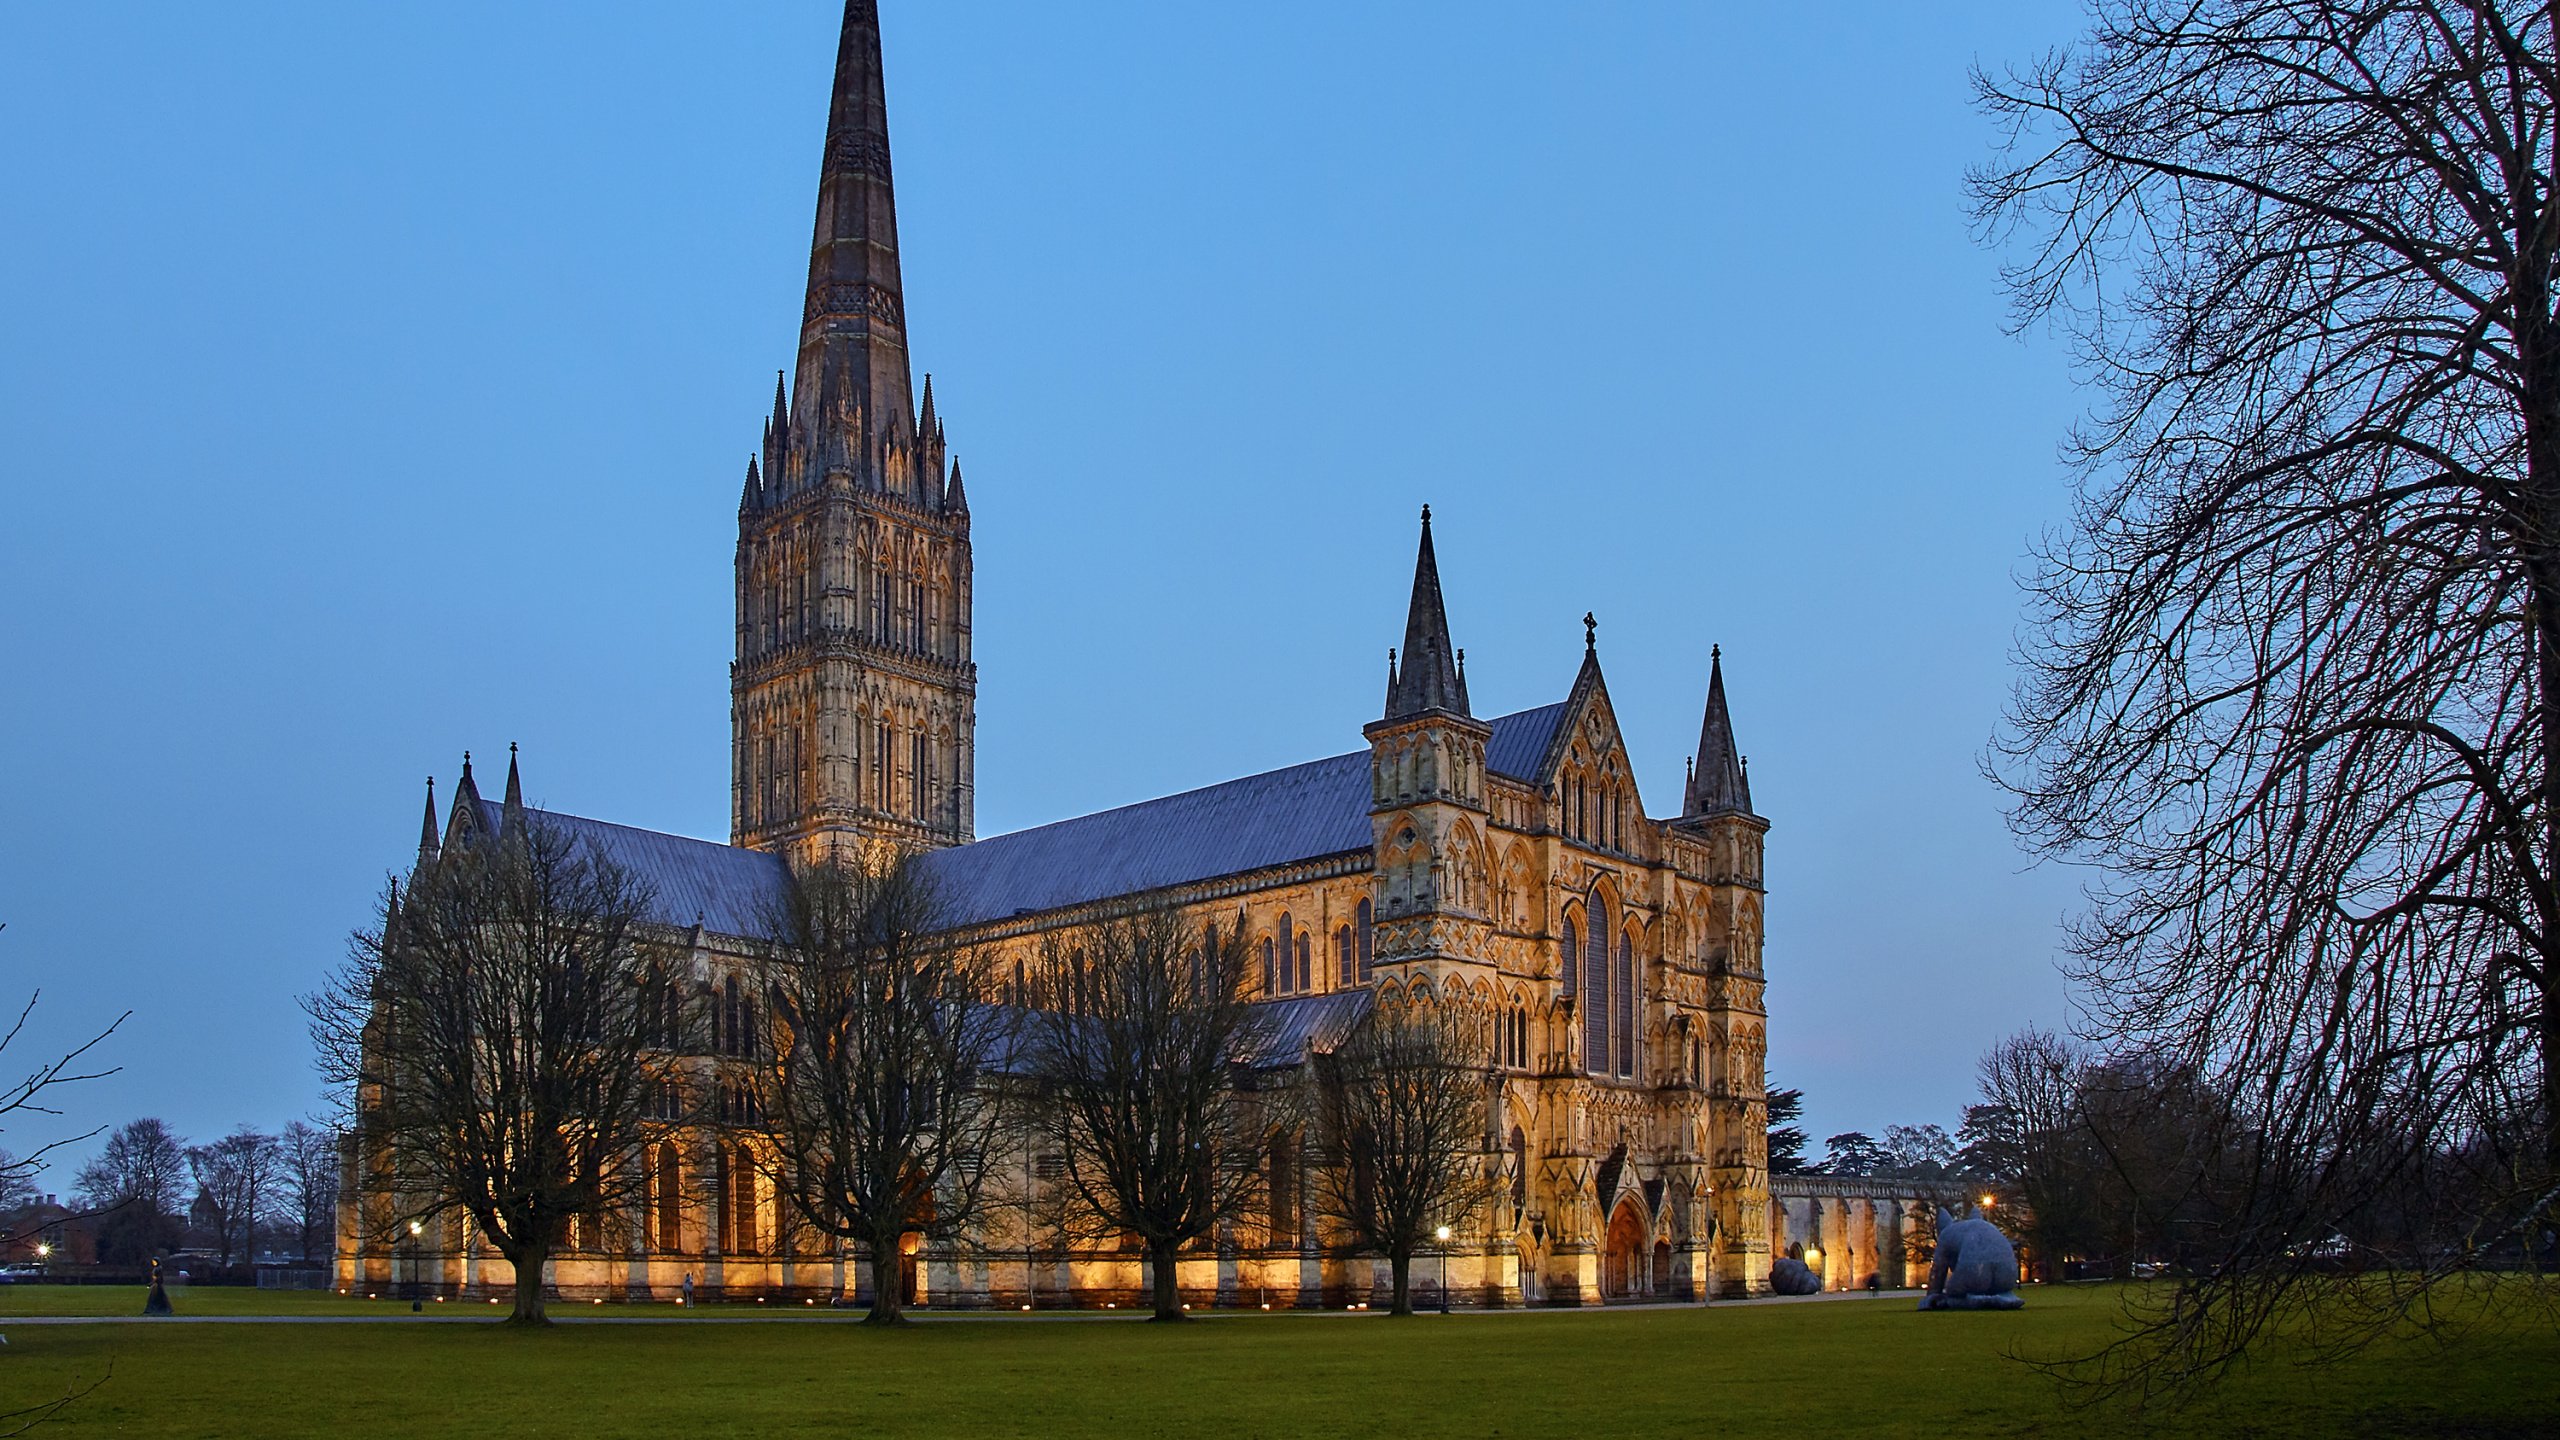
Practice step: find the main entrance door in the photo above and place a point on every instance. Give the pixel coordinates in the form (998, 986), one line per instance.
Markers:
(1625, 1268)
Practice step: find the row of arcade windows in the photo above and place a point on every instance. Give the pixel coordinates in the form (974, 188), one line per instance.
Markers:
(1288, 957)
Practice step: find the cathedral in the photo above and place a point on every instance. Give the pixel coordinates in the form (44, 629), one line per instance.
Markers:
(1505, 864)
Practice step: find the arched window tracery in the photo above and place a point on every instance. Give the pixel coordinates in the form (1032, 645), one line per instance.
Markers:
(1599, 1009)
(1626, 991)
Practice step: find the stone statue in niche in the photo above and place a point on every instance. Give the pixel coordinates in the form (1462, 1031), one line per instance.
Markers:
(1976, 1268)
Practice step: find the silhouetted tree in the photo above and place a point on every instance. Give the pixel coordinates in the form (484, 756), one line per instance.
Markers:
(308, 1171)
(881, 1095)
(1854, 1153)
(1406, 1119)
(488, 1036)
(238, 1179)
(133, 1184)
(30, 1095)
(2293, 674)
(1786, 1137)
(1919, 1152)
(1146, 1054)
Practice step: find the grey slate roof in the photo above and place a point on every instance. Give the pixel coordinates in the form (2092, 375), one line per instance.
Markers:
(1289, 1030)
(1520, 741)
(1283, 816)
(722, 886)
(1301, 813)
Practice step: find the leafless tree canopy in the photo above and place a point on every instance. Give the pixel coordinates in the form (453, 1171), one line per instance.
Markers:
(1144, 1048)
(308, 1186)
(875, 1094)
(29, 1096)
(1407, 1116)
(2294, 680)
(488, 1038)
(135, 1181)
(240, 1178)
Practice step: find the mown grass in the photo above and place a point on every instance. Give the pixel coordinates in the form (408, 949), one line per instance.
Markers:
(1853, 1367)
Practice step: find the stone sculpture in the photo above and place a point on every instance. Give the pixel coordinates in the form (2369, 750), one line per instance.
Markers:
(1789, 1276)
(1976, 1268)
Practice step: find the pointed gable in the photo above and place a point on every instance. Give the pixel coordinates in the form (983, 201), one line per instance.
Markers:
(1585, 715)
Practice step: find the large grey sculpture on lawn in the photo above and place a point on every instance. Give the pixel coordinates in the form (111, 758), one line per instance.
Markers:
(1976, 1268)
(1790, 1276)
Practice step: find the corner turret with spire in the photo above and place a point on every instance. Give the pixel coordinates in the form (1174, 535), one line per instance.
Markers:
(1427, 789)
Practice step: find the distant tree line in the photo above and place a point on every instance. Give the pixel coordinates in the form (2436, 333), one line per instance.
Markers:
(147, 1192)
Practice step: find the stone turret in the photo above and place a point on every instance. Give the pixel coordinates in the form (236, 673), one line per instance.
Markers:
(1427, 795)
(1716, 813)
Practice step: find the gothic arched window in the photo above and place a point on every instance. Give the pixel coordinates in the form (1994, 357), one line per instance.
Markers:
(1284, 1193)
(1368, 945)
(1346, 957)
(1597, 1010)
(669, 1199)
(1626, 1021)
(1270, 976)
(1306, 962)
(741, 1236)
(1288, 969)
(1572, 949)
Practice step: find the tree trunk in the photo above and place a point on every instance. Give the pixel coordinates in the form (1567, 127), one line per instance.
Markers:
(1400, 1263)
(528, 1261)
(888, 1283)
(1168, 1294)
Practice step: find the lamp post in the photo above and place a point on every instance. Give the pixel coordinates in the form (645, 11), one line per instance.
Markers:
(1444, 1269)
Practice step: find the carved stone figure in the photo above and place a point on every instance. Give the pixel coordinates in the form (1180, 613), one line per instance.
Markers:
(1976, 1268)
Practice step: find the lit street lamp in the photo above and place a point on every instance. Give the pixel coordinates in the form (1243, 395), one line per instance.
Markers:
(1444, 1269)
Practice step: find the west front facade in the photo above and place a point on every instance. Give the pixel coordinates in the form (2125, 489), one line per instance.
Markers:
(1507, 866)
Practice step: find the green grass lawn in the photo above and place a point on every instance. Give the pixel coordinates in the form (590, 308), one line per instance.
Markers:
(1854, 1367)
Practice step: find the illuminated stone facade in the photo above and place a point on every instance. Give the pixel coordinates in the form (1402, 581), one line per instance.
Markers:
(1507, 866)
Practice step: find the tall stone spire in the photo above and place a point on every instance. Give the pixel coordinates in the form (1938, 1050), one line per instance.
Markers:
(1718, 784)
(1429, 678)
(853, 699)
(851, 396)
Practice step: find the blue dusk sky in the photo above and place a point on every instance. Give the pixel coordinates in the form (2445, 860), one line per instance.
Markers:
(378, 379)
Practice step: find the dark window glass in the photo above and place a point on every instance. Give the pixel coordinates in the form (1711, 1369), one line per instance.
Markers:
(1626, 1026)
(1597, 1011)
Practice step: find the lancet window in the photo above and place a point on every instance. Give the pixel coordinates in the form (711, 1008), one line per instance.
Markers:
(1597, 1005)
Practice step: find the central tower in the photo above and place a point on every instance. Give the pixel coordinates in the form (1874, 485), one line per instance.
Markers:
(853, 700)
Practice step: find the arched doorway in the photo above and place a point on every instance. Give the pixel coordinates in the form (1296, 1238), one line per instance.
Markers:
(1625, 1257)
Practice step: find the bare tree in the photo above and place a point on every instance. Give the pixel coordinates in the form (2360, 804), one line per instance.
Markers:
(2294, 672)
(307, 1167)
(134, 1182)
(878, 1096)
(29, 1096)
(239, 1177)
(488, 1039)
(1407, 1111)
(1144, 1047)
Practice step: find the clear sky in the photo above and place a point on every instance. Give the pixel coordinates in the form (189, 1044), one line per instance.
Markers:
(376, 381)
